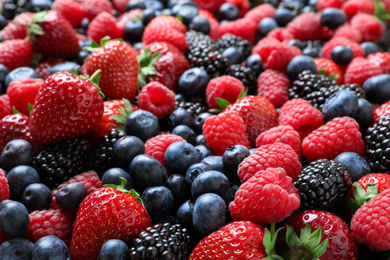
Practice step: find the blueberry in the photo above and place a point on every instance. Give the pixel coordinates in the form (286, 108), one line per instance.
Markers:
(312, 52)
(369, 48)
(377, 89)
(146, 171)
(3, 22)
(114, 175)
(254, 62)
(233, 156)
(154, 5)
(212, 182)
(209, 213)
(215, 161)
(85, 24)
(71, 195)
(184, 214)
(200, 24)
(298, 64)
(332, 17)
(266, 25)
(40, 4)
(177, 185)
(50, 247)
(19, 178)
(283, 16)
(142, 124)
(68, 65)
(82, 56)
(180, 116)
(308, 8)
(147, 16)
(357, 166)
(3, 74)
(204, 151)
(21, 73)
(274, 3)
(14, 218)
(228, 12)
(199, 122)
(158, 200)
(114, 249)
(133, 31)
(126, 149)
(135, 4)
(341, 54)
(342, 103)
(179, 156)
(184, 131)
(16, 152)
(187, 13)
(234, 55)
(193, 82)
(194, 171)
(138, 45)
(36, 196)
(364, 114)
(200, 140)
(16, 248)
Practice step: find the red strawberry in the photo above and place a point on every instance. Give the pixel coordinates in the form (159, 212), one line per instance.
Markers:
(119, 69)
(225, 87)
(382, 59)
(210, 5)
(359, 70)
(266, 197)
(14, 126)
(44, 67)
(71, 10)
(224, 130)
(5, 106)
(380, 179)
(305, 27)
(4, 188)
(372, 28)
(120, 5)
(92, 8)
(257, 113)
(330, 67)
(17, 29)
(235, 27)
(116, 213)
(66, 106)
(52, 35)
(381, 111)
(273, 85)
(23, 92)
(104, 25)
(352, 7)
(15, 53)
(214, 24)
(245, 236)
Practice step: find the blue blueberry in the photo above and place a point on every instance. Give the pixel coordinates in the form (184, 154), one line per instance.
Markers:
(266, 25)
(297, 43)
(19, 178)
(16, 152)
(184, 214)
(309, 51)
(298, 64)
(133, 31)
(16, 249)
(184, 131)
(21, 73)
(194, 170)
(142, 124)
(200, 140)
(68, 65)
(283, 16)
(209, 213)
(274, 3)
(40, 4)
(14, 218)
(50, 247)
(332, 17)
(154, 5)
(71, 195)
(204, 151)
(200, 24)
(3, 22)
(146, 171)
(228, 12)
(135, 4)
(179, 156)
(369, 48)
(82, 56)
(85, 24)
(177, 185)
(180, 116)
(212, 182)
(199, 122)
(342, 103)
(254, 62)
(114, 249)
(193, 82)
(158, 200)
(341, 54)
(357, 166)
(114, 175)
(215, 161)
(187, 13)
(3, 74)
(309, 8)
(234, 55)
(364, 114)
(147, 16)
(377, 89)
(36, 196)
(126, 149)
(138, 45)
(233, 156)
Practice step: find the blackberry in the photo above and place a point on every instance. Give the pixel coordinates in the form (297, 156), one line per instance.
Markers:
(315, 88)
(12, 8)
(161, 241)
(294, 6)
(354, 88)
(247, 77)
(323, 184)
(101, 158)
(231, 40)
(197, 38)
(193, 108)
(61, 161)
(377, 144)
(314, 45)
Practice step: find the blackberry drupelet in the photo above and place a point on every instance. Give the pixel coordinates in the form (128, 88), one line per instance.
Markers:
(354, 88)
(12, 8)
(193, 108)
(377, 144)
(323, 184)
(247, 77)
(197, 38)
(231, 40)
(61, 161)
(294, 6)
(314, 45)
(161, 241)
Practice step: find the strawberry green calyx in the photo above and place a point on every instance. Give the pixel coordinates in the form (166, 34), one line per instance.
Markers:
(94, 46)
(269, 241)
(94, 78)
(121, 188)
(124, 113)
(380, 11)
(33, 27)
(331, 76)
(146, 61)
(361, 196)
(223, 103)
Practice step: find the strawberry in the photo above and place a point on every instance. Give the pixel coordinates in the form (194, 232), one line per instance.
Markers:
(330, 68)
(381, 112)
(5, 106)
(104, 25)
(14, 126)
(116, 213)
(71, 10)
(120, 5)
(382, 59)
(119, 68)
(15, 53)
(17, 28)
(66, 106)
(4, 188)
(122, 20)
(237, 240)
(52, 35)
(92, 8)
(22, 93)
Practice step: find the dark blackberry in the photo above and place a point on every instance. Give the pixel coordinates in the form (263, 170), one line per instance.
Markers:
(247, 77)
(61, 161)
(377, 144)
(199, 39)
(101, 158)
(12, 8)
(354, 88)
(294, 6)
(193, 108)
(161, 241)
(323, 184)
(231, 40)
(314, 45)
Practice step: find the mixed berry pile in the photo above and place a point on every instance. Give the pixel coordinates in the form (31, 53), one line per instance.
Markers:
(205, 129)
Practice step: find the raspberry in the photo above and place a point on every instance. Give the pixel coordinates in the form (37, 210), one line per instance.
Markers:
(270, 155)
(104, 25)
(328, 47)
(157, 99)
(281, 34)
(301, 115)
(370, 223)
(273, 85)
(352, 7)
(283, 134)
(4, 189)
(17, 29)
(214, 24)
(5, 106)
(322, 4)
(260, 12)
(156, 146)
(224, 130)
(44, 67)
(226, 87)
(92, 8)
(371, 27)
(359, 70)
(381, 111)
(339, 135)
(266, 197)
(210, 5)
(235, 27)
(382, 59)
(305, 27)
(347, 31)
(330, 68)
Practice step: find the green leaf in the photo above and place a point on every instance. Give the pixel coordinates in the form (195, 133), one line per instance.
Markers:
(215, 111)
(322, 72)
(104, 40)
(314, 239)
(136, 196)
(243, 93)
(267, 241)
(305, 234)
(320, 249)
(222, 103)
(94, 44)
(121, 128)
(180, 18)
(30, 108)
(334, 76)
(118, 119)
(128, 107)
(15, 111)
(39, 17)
(291, 238)
(36, 29)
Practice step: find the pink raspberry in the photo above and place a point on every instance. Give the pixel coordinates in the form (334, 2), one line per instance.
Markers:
(305, 27)
(259, 12)
(352, 7)
(382, 59)
(273, 85)
(225, 87)
(328, 47)
(359, 70)
(347, 31)
(372, 28)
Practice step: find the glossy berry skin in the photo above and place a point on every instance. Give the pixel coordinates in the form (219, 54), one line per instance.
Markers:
(233, 156)
(377, 89)
(364, 115)
(212, 182)
(186, 132)
(199, 121)
(184, 214)
(50, 247)
(176, 183)
(234, 55)
(114, 249)
(36, 196)
(19, 178)
(204, 150)
(357, 166)
(228, 12)
(298, 64)
(16, 249)
(71, 195)
(125, 149)
(194, 170)
(266, 25)
(341, 103)
(254, 62)
(179, 156)
(143, 124)
(200, 24)
(16, 152)
(14, 218)
(283, 16)
(193, 82)
(158, 200)
(114, 175)
(22, 93)
(369, 48)
(332, 17)
(20, 73)
(215, 161)
(341, 54)
(133, 31)
(180, 116)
